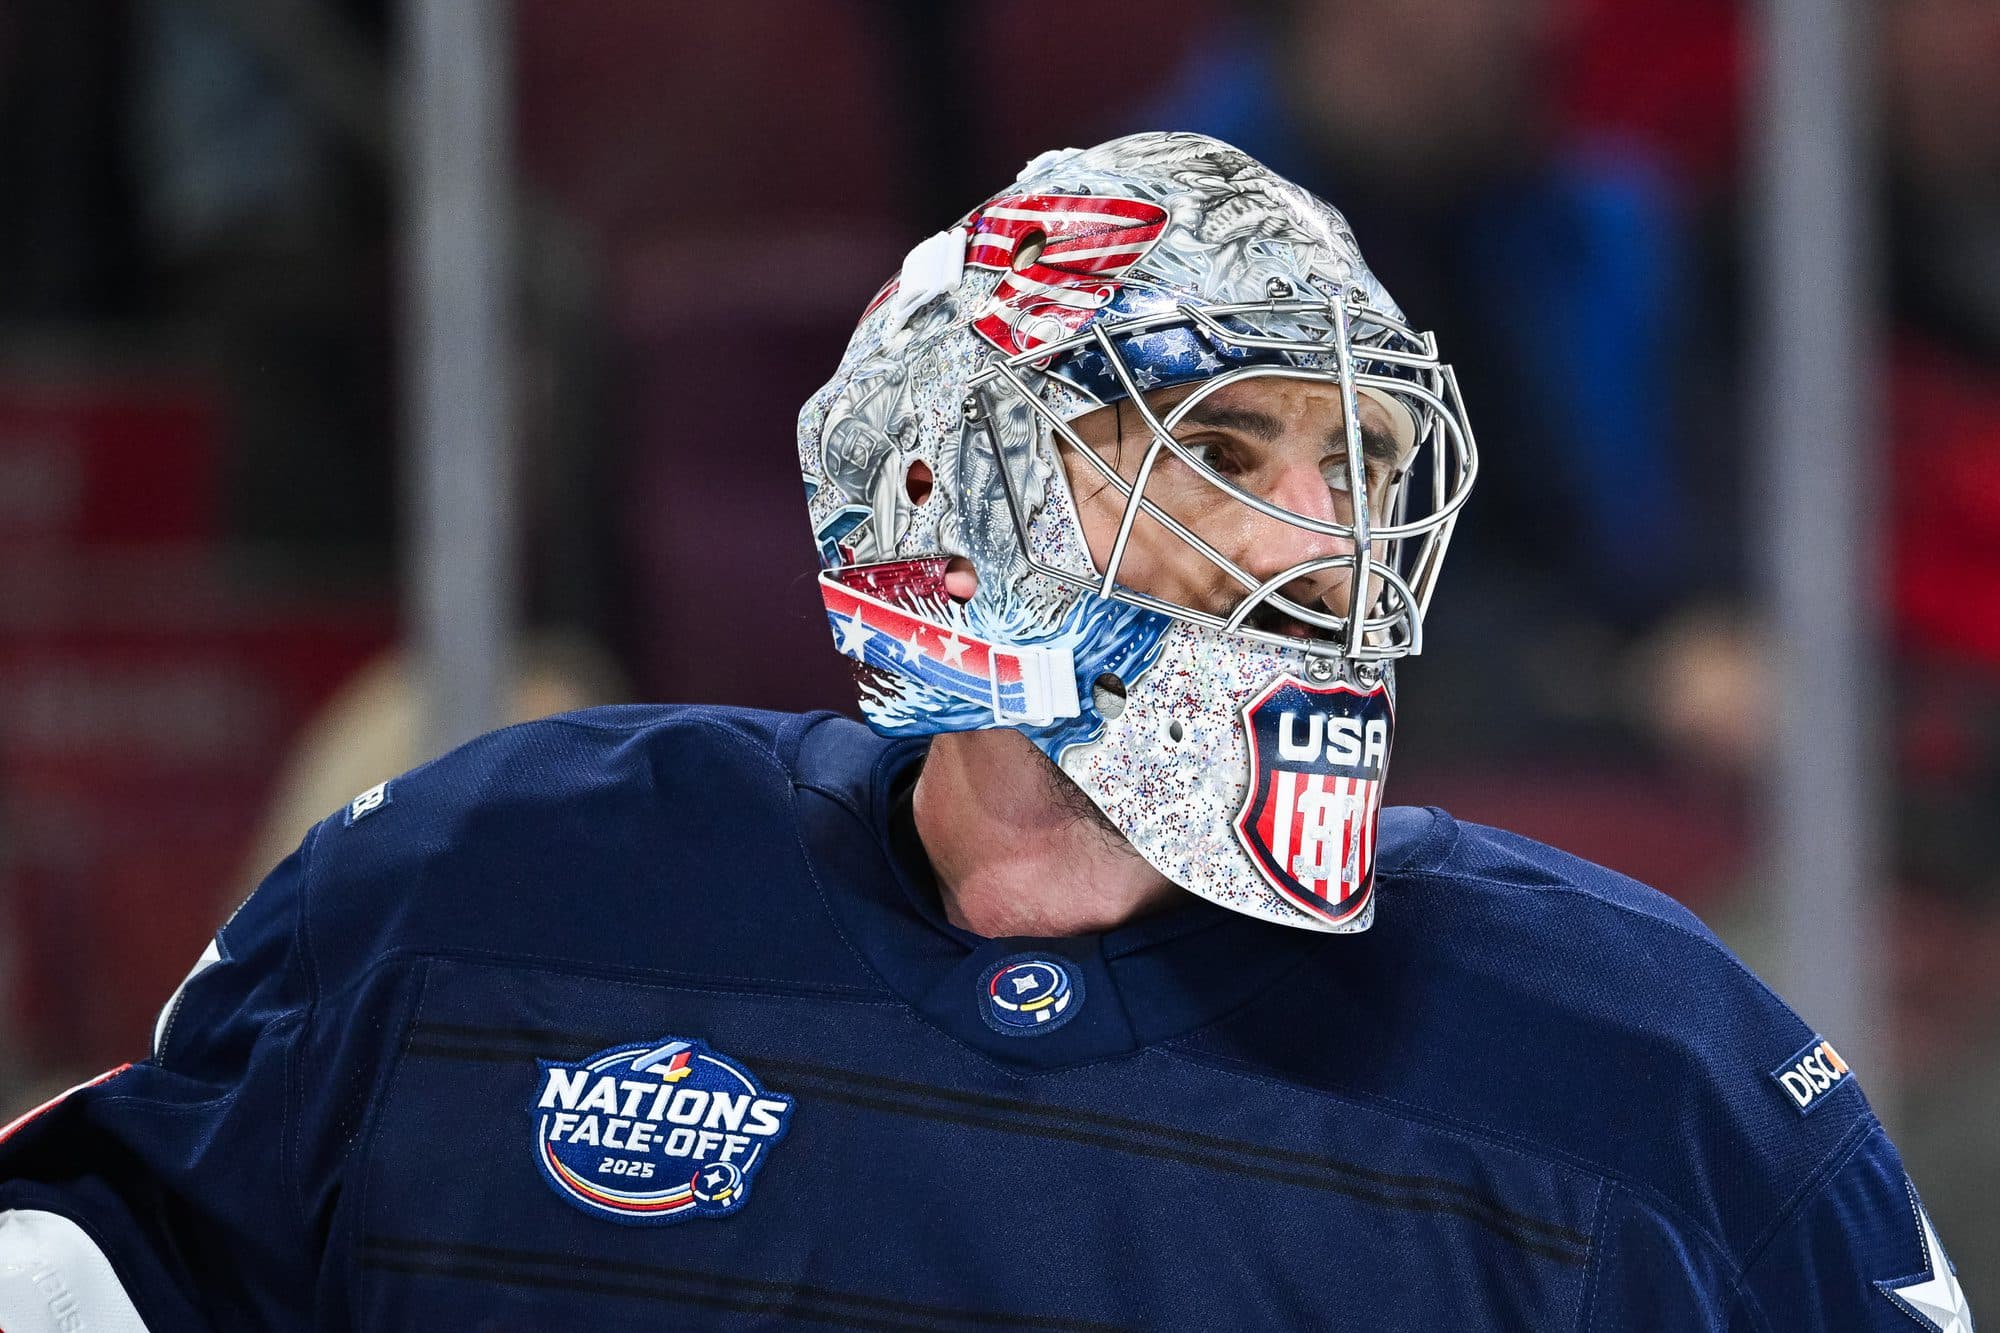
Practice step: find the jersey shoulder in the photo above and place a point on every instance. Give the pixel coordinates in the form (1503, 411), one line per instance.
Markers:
(1586, 1015)
(644, 837)
(1501, 868)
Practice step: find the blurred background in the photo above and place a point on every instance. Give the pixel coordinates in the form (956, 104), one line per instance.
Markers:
(219, 552)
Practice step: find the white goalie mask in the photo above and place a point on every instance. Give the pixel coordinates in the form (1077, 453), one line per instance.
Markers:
(1239, 746)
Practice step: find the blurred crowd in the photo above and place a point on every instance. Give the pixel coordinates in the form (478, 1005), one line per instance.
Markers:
(199, 437)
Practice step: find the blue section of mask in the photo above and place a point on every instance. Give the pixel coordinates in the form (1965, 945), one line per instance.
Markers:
(1103, 637)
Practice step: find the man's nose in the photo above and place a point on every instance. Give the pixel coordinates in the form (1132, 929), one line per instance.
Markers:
(1276, 546)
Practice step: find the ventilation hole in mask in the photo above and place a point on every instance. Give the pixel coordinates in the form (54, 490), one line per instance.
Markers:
(1029, 250)
(1107, 695)
(961, 580)
(917, 481)
(1175, 731)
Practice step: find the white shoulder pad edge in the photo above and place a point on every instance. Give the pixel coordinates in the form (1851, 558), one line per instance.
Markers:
(54, 1278)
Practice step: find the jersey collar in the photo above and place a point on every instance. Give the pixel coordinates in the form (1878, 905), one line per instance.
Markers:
(1151, 981)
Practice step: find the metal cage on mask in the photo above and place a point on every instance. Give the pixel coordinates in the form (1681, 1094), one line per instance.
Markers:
(1369, 350)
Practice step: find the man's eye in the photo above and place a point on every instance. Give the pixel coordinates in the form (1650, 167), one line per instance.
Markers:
(1213, 456)
(1335, 471)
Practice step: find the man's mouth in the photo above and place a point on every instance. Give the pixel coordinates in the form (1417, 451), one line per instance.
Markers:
(1271, 620)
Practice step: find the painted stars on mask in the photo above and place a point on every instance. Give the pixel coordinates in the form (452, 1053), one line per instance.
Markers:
(853, 634)
(854, 637)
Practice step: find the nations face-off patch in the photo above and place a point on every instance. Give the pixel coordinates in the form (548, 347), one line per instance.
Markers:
(655, 1132)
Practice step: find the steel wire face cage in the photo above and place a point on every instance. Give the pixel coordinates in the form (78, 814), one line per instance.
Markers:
(1244, 763)
(1338, 338)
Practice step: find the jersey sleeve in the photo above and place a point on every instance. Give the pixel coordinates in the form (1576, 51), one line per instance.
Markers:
(1858, 1253)
(166, 1194)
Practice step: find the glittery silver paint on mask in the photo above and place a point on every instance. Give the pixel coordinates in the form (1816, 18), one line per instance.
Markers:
(1174, 800)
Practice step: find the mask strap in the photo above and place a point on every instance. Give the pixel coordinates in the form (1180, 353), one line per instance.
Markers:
(1024, 684)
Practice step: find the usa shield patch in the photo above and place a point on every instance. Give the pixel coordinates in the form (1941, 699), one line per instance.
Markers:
(1318, 758)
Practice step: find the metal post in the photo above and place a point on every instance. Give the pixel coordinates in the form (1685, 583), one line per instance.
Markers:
(458, 356)
(1825, 470)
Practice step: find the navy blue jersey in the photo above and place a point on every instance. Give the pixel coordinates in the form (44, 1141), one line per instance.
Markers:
(650, 1017)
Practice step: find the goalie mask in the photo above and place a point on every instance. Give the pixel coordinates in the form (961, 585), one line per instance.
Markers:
(1238, 740)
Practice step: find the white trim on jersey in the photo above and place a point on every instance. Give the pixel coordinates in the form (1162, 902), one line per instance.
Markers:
(54, 1278)
(163, 1024)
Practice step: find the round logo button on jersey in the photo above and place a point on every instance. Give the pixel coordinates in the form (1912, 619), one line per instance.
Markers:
(1028, 994)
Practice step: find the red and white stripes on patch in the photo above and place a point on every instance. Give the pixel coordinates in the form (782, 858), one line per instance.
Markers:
(1317, 826)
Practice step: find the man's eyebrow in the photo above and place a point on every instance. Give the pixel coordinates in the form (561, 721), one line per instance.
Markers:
(1377, 444)
(1246, 419)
